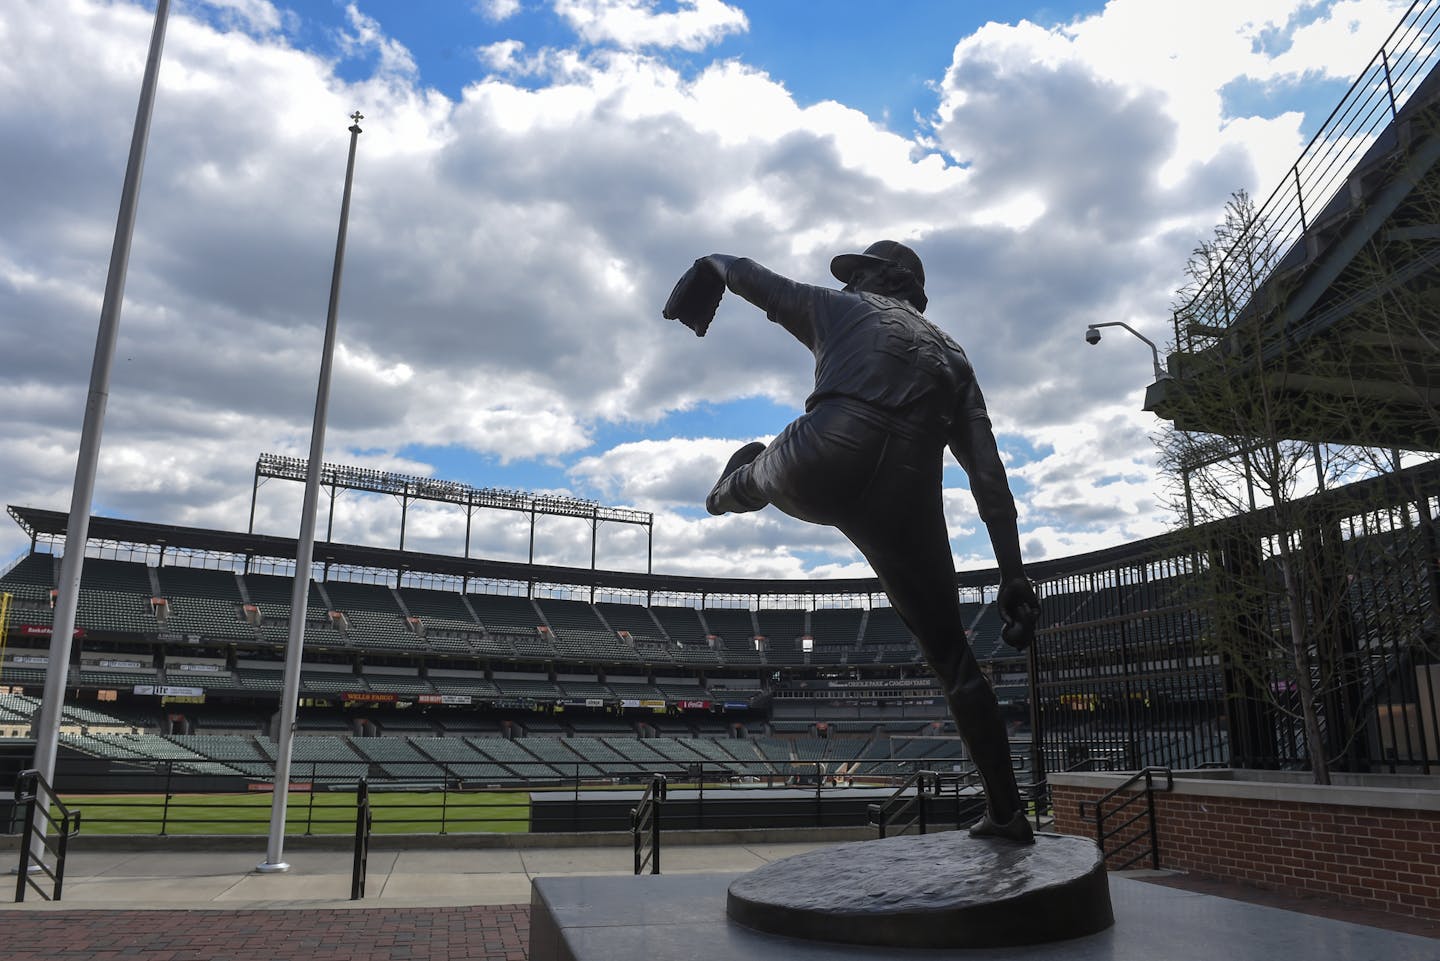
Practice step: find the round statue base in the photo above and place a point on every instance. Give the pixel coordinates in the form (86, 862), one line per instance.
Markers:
(931, 891)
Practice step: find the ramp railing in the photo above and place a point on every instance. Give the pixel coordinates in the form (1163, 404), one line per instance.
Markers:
(45, 834)
(902, 810)
(364, 820)
(1135, 806)
(645, 826)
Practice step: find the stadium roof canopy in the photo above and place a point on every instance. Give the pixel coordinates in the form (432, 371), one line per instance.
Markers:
(1391, 488)
(39, 523)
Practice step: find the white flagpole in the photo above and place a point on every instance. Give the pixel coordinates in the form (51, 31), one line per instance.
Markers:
(82, 494)
(305, 545)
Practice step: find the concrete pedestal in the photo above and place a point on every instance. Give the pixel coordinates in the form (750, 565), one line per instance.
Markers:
(682, 918)
(945, 890)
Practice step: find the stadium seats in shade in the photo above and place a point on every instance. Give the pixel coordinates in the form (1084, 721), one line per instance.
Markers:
(598, 724)
(396, 680)
(736, 631)
(31, 579)
(314, 679)
(635, 691)
(372, 615)
(782, 631)
(447, 622)
(581, 689)
(535, 647)
(273, 595)
(884, 627)
(462, 682)
(635, 620)
(837, 628)
(504, 614)
(681, 689)
(203, 603)
(682, 625)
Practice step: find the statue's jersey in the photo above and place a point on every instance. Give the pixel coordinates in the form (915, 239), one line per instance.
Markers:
(880, 356)
(874, 349)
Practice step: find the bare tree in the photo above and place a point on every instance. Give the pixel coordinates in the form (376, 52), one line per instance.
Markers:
(1243, 477)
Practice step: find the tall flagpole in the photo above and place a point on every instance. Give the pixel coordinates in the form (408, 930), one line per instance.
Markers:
(305, 544)
(82, 495)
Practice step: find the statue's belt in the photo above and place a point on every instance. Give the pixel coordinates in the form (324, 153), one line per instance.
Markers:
(893, 422)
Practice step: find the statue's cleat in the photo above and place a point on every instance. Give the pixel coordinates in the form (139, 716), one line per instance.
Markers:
(1017, 829)
(715, 502)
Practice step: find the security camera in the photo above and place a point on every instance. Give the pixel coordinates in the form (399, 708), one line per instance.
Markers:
(1092, 336)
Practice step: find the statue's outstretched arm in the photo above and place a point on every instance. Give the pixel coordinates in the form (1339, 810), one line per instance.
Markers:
(790, 304)
(697, 294)
(972, 441)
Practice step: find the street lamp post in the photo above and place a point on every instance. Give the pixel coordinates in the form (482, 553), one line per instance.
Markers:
(1092, 337)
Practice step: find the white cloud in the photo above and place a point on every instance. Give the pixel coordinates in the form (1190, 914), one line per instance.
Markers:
(508, 57)
(633, 24)
(367, 35)
(258, 16)
(498, 10)
(509, 251)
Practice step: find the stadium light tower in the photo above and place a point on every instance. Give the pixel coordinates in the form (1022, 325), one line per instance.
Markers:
(82, 493)
(305, 543)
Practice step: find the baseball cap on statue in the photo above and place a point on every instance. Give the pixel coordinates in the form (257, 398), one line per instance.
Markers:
(880, 252)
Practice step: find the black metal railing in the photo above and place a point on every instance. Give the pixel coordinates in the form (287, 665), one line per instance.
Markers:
(1135, 806)
(363, 822)
(903, 810)
(1035, 802)
(645, 826)
(43, 834)
(1129, 672)
(134, 797)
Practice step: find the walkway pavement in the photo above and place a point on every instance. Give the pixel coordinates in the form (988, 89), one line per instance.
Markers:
(193, 905)
(147, 880)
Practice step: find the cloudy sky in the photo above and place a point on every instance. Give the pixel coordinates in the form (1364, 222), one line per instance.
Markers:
(532, 177)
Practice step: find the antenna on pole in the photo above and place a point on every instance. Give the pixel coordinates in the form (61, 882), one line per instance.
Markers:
(305, 543)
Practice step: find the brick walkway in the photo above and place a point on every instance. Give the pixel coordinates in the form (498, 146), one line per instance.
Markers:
(496, 933)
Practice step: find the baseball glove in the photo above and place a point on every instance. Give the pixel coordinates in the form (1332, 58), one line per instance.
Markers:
(695, 297)
(1019, 612)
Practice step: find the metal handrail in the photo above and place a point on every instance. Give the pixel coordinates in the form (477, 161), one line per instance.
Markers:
(1373, 101)
(885, 814)
(645, 824)
(35, 794)
(364, 821)
(1147, 796)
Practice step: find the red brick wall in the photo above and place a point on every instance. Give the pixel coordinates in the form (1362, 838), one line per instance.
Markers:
(1375, 857)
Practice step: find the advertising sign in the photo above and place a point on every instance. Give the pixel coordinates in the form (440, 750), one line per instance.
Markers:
(370, 697)
(446, 699)
(43, 630)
